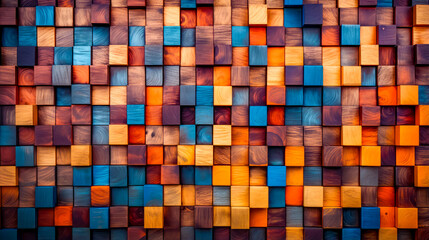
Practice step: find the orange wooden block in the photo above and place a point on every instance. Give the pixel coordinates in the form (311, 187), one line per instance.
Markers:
(406, 217)
(257, 36)
(258, 217)
(294, 156)
(408, 95)
(100, 196)
(295, 176)
(406, 135)
(421, 15)
(8, 176)
(351, 135)
(294, 195)
(421, 174)
(221, 175)
(370, 156)
(387, 96)
(154, 95)
(405, 156)
(171, 55)
(155, 155)
(276, 56)
(63, 216)
(136, 134)
(222, 76)
(276, 95)
(240, 56)
(422, 115)
(153, 115)
(387, 217)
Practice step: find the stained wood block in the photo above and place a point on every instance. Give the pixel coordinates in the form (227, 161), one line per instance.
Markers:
(258, 14)
(81, 155)
(313, 196)
(351, 135)
(406, 135)
(258, 197)
(8, 176)
(350, 197)
(419, 176)
(368, 55)
(100, 13)
(351, 76)
(118, 55)
(332, 218)
(386, 35)
(203, 217)
(370, 156)
(221, 216)
(26, 114)
(406, 217)
(420, 15)
(118, 134)
(240, 217)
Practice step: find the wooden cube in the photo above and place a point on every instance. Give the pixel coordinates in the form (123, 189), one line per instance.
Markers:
(25, 115)
(239, 196)
(294, 156)
(221, 175)
(153, 217)
(370, 156)
(408, 95)
(222, 135)
(258, 14)
(388, 233)
(313, 196)
(64, 16)
(368, 35)
(406, 135)
(406, 217)
(420, 176)
(81, 155)
(351, 76)
(258, 197)
(350, 197)
(351, 135)
(221, 216)
(185, 155)
(100, 196)
(45, 37)
(240, 217)
(422, 115)
(203, 155)
(294, 56)
(118, 134)
(118, 95)
(222, 96)
(421, 15)
(172, 195)
(46, 156)
(118, 54)
(8, 176)
(368, 55)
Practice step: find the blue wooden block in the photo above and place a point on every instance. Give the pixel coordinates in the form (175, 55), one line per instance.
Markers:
(82, 176)
(294, 216)
(294, 96)
(61, 75)
(386, 3)
(188, 4)
(423, 95)
(83, 36)
(9, 233)
(292, 2)
(65, 196)
(205, 95)
(46, 233)
(81, 94)
(276, 176)
(7, 135)
(351, 234)
(24, 156)
(82, 196)
(204, 135)
(172, 35)
(136, 36)
(188, 37)
(203, 176)
(100, 115)
(203, 115)
(311, 37)
(276, 156)
(99, 218)
(293, 17)
(187, 134)
(258, 55)
(118, 76)
(82, 55)
(153, 55)
(118, 176)
(171, 75)
(221, 196)
(100, 135)
(313, 96)
(258, 116)
(26, 56)
(257, 233)
(118, 233)
(187, 95)
(45, 197)
(100, 175)
(313, 75)
(293, 116)
(136, 196)
(311, 116)
(277, 197)
(63, 96)
(154, 76)
(240, 96)
(136, 175)
(135, 114)
(119, 196)
(331, 234)
(332, 96)
(9, 37)
(369, 76)
(187, 233)
(153, 195)
(370, 218)
(187, 175)
(312, 14)
(27, 218)
(27, 36)
(100, 36)
(312, 176)
(63, 56)
(81, 233)
(350, 35)
(100, 234)
(240, 36)
(45, 15)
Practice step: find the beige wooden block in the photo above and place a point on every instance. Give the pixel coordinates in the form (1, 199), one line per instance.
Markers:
(420, 35)
(239, 196)
(332, 76)
(421, 15)
(348, 3)
(153, 217)
(222, 135)
(351, 197)
(25, 115)
(172, 195)
(368, 35)
(64, 16)
(240, 217)
(222, 15)
(222, 95)
(118, 55)
(313, 196)
(351, 135)
(118, 95)
(221, 216)
(259, 197)
(46, 36)
(187, 56)
(100, 95)
(275, 17)
(8, 176)
(81, 155)
(331, 56)
(172, 16)
(275, 76)
(258, 14)
(204, 155)
(368, 55)
(46, 156)
(294, 56)
(118, 134)
(185, 155)
(351, 76)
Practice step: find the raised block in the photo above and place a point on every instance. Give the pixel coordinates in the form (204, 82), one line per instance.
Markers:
(81, 155)
(25, 115)
(351, 135)
(406, 135)
(8, 176)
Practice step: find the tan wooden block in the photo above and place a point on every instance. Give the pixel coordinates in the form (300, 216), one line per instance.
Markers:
(222, 95)
(275, 17)
(185, 155)
(368, 55)
(275, 76)
(351, 76)
(258, 14)
(348, 3)
(153, 217)
(118, 134)
(331, 56)
(420, 35)
(370, 156)
(368, 35)
(118, 55)
(172, 16)
(239, 196)
(221, 175)
(331, 76)
(204, 155)
(8, 176)
(406, 218)
(222, 135)
(187, 56)
(118, 95)
(388, 233)
(294, 56)
(100, 95)
(25, 115)
(221, 216)
(81, 155)
(421, 15)
(408, 95)
(240, 175)
(350, 197)
(45, 95)
(240, 217)
(64, 16)
(46, 156)
(172, 195)
(46, 36)
(351, 135)
(188, 195)
(332, 197)
(259, 197)
(313, 196)
(222, 15)
(294, 156)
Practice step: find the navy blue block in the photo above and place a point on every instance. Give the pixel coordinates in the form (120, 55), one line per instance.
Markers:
(240, 36)
(204, 234)
(172, 35)
(277, 197)
(26, 56)
(100, 175)
(258, 233)
(83, 36)
(385, 3)
(81, 233)
(24, 156)
(81, 94)
(276, 176)
(100, 36)
(45, 197)
(153, 195)
(351, 234)
(188, 4)
(369, 75)
(203, 176)
(257, 55)
(136, 36)
(187, 175)
(312, 14)
(293, 116)
(27, 218)
(153, 55)
(27, 36)
(118, 176)
(423, 95)
(136, 175)
(258, 115)
(188, 37)
(82, 176)
(136, 196)
(276, 156)
(292, 2)
(370, 218)
(119, 196)
(9, 233)
(135, 114)
(9, 37)
(313, 75)
(45, 15)
(99, 218)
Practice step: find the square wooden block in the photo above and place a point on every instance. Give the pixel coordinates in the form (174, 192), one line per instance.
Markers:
(118, 54)
(81, 155)
(350, 197)
(8, 176)
(351, 76)
(370, 156)
(406, 135)
(368, 55)
(118, 134)
(351, 135)
(313, 196)
(222, 135)
(408, 95)
(25, 115)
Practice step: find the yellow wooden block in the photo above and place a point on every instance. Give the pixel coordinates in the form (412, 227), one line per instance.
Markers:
(408, 94)
(368, 35)
(221, 175)
(222, 95)
(332, 197)
(188, 195)
(118, 55)
(172, 195)
(258, 14)
(351, 76)
(64, 16)
(294, 156)
(296, 233)
(187, 56)
(46, 36)
(294, 56)
(153, 217)
(275, 76)
(81, 155)
(331, 56)
(239, 196)
(118, 134)
(351, 197)
(25, 115)
(331, 76)
(370, 156)
(8, 176)
(388, 234)
(100, 95)
(203, 155)
(313, 196)
(422, 115)
(421, 15)
(348, 3)
(351, 135)
(222, 135)
(118, 95)
(171, 16)
(275, 17)
(420, 35)
(46, 156)
(186, 155)
(421, 174)
(259, 197)
(221, 216)
(368, 55)
(406, 217)
(294, 176)
(406, 135)
(240, 217)
(240, 175)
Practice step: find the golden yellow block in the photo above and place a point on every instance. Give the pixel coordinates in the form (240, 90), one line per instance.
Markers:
(204, 155)
(388, 233)
(172, 195)
(421, 15)
(420, 35)
(368, 55)
(258, 14)
(294, 56)
(421, 174)
(240, 175)
(368, 35)
(406, 135)
(81, 155)
(331, 56)
(348, 3)
(351, 76)
(331, 76)
(153, 217)
(351, 135)
(259, 197)
(25, 115)
(294, 176)
(351, 196)
(332, 197)
(46, 156)
(222, 95)
(408, 95)
(406, 217)
(118, 134)
(313, 196)
(295, 233)
(185, 155)
(188, 195)
(222, 135)
(8, 176)
(275, 76)
(118, 54)
(370, 156)
(118, 95)
(100, 95)
(275, 17)
(46, 36)
(221, 175)
(239, 196)
(294, 156)
(171, 16)
(422, 115)
(221, 216)
(240, 217)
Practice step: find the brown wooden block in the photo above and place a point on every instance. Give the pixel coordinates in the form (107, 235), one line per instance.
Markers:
(118, 216)
(43, 135)
(137, 17)
(81, 114)
(349, 15)
(43, 75)
(8, 16)
(203, 216)
(80, 216)
(119, 16)
(367, 16)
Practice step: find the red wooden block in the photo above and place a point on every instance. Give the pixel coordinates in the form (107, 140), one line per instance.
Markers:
(45, 217)
(276, 136)
(26, 76)
(118, 114)
(63, 115)
(45, 56)
(80, 217)
(136, 56)
(7, 75)
(7, 156)
(188, 18)
(43, 75)
(370, 115)
(100, 13)
(99, 75)
(81, 114)
(153, 174)
(330, 35)
(135, 216)
(26, 136)
(276, 116)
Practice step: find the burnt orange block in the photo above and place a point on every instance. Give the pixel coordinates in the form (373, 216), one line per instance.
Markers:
(406, 217)
(387, 217)
(408, 95)
(421, 174)
(422, 115)
(407, 135)
(154, 95)
(294, 195)
(63, 216)
(100, 196)
(155, 155)
(387, 96)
